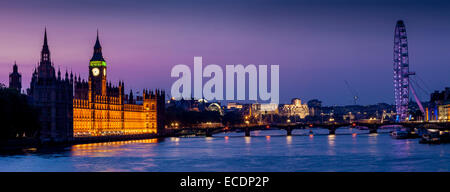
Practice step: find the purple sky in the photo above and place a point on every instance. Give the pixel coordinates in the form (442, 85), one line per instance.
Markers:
(318, 44)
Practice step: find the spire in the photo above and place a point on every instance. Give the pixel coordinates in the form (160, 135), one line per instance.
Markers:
(97, 42)
(15, 70)
(97, 56)
(59, 73)
(45, 36)
(45, 53)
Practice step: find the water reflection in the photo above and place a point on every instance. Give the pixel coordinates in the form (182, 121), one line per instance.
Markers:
(354, 141)
(373, 140)
(271, 151)
(176, 140)
(331, 144)
(289, 140)
(331, 139)
(209, 139)
(402, 147)
(248, 140)
(105, 148)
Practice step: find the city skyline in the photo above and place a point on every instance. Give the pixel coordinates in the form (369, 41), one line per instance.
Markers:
(311, 54)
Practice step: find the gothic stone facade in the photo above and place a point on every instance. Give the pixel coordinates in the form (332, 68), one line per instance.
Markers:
(72, 107)
(100, 108)
(53, 96)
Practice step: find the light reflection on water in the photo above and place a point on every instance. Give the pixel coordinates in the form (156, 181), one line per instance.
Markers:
(331, 144)
(269, 150)
(106, 148)
(248, 140)
(288, 140)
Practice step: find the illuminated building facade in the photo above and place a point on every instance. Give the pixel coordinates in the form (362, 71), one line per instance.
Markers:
(99, 108)
(234, 106)
(263, 109)
(296, 108)
(439, 108)
(444, 113)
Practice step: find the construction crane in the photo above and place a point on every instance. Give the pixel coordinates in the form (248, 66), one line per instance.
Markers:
(353, 92)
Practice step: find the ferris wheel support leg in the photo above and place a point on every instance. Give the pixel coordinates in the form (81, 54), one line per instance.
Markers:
(417, 100)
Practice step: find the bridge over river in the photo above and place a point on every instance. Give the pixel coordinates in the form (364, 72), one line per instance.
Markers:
(372, 126)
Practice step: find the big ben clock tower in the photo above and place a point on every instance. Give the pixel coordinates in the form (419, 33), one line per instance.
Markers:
(97, 71)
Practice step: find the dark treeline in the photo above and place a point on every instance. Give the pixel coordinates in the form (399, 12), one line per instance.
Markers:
(190, 118)
(17, 117)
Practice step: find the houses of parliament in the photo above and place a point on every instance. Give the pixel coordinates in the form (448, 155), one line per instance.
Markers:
(73, 107)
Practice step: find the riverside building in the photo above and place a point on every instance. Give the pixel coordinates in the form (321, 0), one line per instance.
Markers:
(74, 107)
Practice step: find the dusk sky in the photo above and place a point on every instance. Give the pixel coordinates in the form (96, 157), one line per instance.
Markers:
(318, 44)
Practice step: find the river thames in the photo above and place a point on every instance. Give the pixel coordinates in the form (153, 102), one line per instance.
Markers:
(268, 150)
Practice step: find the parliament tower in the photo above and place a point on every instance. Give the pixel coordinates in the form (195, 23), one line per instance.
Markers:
(101, 108)
(97, 71)
(53, 96)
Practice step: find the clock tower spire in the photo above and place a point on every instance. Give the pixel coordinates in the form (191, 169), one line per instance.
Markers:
(97, 70)
(97, 56)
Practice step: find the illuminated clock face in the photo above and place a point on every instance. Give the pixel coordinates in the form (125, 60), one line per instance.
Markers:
(104, 71)
(95, 71)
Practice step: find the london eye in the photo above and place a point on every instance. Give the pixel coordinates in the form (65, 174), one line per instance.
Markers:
(402, 73)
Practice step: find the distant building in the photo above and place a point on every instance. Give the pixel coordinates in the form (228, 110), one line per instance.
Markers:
(439, 108)
(444, 112)
(315, 107)
(53, 96)
(348, 117)
(296, 108)
(234, 106)
(188, 104)
(264, 109)
(15, 79)
(440, 98)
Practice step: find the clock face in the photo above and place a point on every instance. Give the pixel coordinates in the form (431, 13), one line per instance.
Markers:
(95, 71)
(104, 71)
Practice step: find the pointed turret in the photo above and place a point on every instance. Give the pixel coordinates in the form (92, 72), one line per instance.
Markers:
(45, 68)
(59, 73)
(15, 78)
(15, 69)
(45, 53)
(131, 97)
